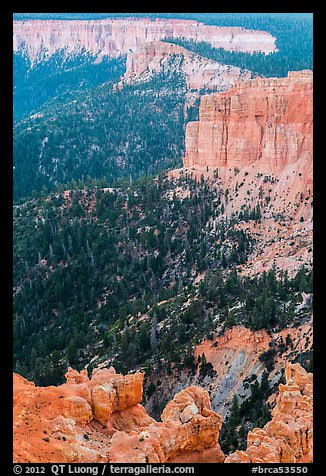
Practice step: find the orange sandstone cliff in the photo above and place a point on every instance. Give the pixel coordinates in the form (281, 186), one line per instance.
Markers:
(255, 140)
(267, 121)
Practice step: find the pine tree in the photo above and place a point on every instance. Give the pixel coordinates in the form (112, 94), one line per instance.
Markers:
(153, 337)
(234, 415)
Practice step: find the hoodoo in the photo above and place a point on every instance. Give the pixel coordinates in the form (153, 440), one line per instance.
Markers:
(101, 419)
(163, 228)
(287, 438)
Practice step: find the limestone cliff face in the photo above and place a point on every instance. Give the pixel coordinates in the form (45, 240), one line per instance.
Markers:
(166, 59)
(101, 419)
(265, 121)
(118, 36)
(287, 438)
(159, 56)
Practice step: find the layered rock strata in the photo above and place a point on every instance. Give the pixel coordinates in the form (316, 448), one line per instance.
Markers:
(113, 37)
(160, 56)
(265, 120)
(288, 437)
(101, 419)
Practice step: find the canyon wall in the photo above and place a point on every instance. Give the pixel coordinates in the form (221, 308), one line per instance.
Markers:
(114, 37)
(265, 121)
(256, 141)
(159, 56)
(235, 357)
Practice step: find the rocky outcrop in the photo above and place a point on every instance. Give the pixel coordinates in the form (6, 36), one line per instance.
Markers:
(101, 419)
(160, 56)
(265, 121)
(287, 438)
(69, 418)
(189, 427)
(114, 37)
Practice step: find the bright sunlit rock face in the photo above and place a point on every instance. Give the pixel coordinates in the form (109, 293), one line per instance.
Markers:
(163, 225)
(266, 122)
(101, 419)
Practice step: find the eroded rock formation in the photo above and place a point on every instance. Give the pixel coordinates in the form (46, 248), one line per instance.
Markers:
(235, 358)
(118, 36)
(265, 121)
(160, 56)
(101, 419)
(287, 438)
(189, 427)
